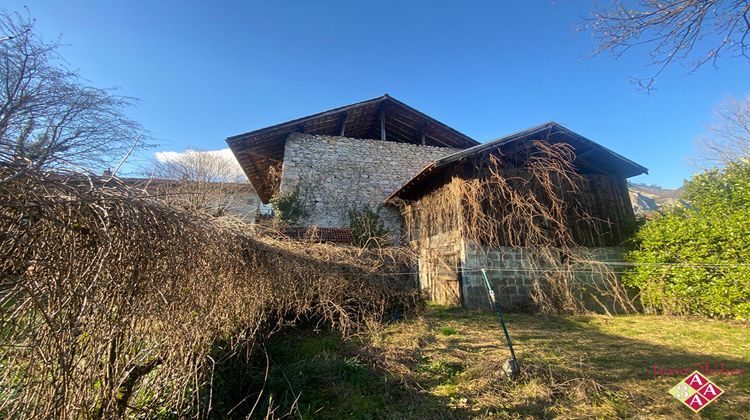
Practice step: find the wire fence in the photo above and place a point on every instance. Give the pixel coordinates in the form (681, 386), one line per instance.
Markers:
(592, 268)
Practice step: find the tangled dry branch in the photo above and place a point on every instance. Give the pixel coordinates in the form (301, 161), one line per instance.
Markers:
(115, 304)
(529, 203)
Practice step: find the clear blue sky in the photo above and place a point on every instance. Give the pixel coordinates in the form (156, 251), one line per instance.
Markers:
(207, 70)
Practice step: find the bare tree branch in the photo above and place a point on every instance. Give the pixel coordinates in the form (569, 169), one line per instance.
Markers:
(47, 114)
(729, 136)
(695, 32)
(136, 142)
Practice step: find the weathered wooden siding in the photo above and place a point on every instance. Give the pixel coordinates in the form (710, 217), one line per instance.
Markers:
(607, 202)
(603, 198)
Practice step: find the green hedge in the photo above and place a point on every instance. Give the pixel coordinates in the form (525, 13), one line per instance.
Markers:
(692, 260)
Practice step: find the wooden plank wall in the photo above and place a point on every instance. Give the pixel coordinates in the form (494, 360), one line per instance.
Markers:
(606, 200)
(603, 198)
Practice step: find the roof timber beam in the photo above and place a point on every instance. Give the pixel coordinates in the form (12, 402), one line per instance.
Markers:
(382, 121)
(403, 135)
(582, 161)
(261, 156)
(399, 133)
(437, 141)
(402, 132)
(407, 122)
(585, 154)
(520, 147)
(262, 189)
(342, 124)
(421, 133)
(595, 168)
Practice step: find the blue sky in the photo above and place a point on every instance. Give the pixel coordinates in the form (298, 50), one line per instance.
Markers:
(208, 70)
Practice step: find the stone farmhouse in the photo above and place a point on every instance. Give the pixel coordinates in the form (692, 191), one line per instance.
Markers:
(367, 154)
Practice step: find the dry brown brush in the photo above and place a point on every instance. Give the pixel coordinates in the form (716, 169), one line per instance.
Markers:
(113, 304)
(528, 202)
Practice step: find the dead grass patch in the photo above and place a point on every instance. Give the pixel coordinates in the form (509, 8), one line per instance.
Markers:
(572, 366)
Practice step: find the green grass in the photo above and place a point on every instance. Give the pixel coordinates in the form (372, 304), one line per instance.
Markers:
(576, 366)
(448, 331)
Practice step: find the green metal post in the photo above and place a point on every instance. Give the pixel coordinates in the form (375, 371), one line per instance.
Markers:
(493, 302)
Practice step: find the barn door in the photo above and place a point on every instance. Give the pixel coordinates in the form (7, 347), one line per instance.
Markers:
(443, 278)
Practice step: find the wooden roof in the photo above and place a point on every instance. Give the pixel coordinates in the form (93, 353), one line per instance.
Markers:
(591, 157)
(382, 118)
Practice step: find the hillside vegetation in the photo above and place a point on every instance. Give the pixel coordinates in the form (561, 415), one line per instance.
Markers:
(648, 199)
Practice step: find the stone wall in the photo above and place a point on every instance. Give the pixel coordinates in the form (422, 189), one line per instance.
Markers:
(336, 174)
(246, 205)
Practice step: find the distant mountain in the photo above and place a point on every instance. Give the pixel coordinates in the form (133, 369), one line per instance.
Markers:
(650, 198)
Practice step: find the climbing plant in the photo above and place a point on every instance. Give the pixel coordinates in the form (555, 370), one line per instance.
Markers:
(289, 208)
(367, 228)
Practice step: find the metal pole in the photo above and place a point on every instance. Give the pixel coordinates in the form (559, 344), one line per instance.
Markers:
(493, 302)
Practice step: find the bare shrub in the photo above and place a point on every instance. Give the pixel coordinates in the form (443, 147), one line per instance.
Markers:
(533, 208)
(367, 228)
(728, 139)
(202, 181)
(115, 304)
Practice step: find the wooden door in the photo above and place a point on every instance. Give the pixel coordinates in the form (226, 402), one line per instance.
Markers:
(441, 281)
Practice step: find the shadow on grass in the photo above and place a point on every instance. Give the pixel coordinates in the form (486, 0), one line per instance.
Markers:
(625, 369)
(315, 374)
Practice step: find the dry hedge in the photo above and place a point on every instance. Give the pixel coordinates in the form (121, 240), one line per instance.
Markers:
(113, 303)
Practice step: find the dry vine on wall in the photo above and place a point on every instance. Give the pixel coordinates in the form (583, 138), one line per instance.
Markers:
(532, 207)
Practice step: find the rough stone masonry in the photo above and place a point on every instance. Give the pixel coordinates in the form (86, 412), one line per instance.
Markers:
(337, 174)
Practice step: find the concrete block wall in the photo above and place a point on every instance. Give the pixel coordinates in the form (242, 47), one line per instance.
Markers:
(509, 272)
(511, 275)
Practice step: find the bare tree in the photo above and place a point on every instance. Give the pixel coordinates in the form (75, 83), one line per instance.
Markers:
(693, 31)
(47, 114)
(728, 138)
(203, 181)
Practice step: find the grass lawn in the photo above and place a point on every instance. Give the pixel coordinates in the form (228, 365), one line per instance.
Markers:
(445, 363)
